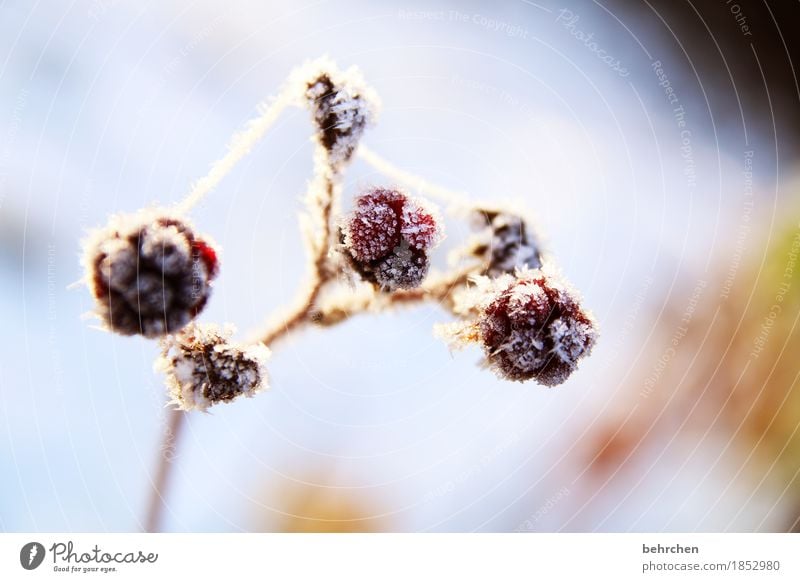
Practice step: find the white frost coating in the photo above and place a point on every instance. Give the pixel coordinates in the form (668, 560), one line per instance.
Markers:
(203, 367)
(403, 269)
(368, 232)
(468, 300)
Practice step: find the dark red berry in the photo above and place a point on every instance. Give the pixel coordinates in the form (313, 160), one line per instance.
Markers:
(536, 329)
(386, 237)
(342, 107)
(372, 231)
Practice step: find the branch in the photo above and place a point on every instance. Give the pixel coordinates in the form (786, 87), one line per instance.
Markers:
(321, 201)
(240, 145)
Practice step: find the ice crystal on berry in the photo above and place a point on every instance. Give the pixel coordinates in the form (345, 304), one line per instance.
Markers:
(149, 273)
(342, 106)
(387, 236)
(536, 329)
(373, 229)
(404, 268)
(204, 367)
(419, 226)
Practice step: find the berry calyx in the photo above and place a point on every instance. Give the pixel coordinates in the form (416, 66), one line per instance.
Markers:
(204, 367)
(342, 106)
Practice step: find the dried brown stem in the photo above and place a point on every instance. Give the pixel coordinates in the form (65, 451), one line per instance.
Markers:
(336, 311)
(321, 271)
(166, 460)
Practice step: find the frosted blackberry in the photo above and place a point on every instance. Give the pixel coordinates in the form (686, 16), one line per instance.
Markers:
(536, 329)
(373, 228)
(386, 238)
(149, 273)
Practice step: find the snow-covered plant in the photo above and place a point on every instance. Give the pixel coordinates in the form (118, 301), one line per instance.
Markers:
(151, 274)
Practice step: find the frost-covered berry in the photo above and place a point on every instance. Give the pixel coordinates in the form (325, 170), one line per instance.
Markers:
(342, 106)
(536, 329)
(204, 367)
(387, 237)
(149, 273)
(506, 242)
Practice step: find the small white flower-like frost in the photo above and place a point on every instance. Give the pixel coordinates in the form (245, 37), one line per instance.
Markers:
(203, 367)
(341, 104)
(149, 273)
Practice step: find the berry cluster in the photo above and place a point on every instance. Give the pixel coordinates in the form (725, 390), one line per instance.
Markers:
(149, 273)
(387, 237)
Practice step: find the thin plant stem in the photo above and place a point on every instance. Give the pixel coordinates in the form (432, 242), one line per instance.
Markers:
(321, 199)
(240, 145)
(166, 460)
(453, 198)
(320, 276)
